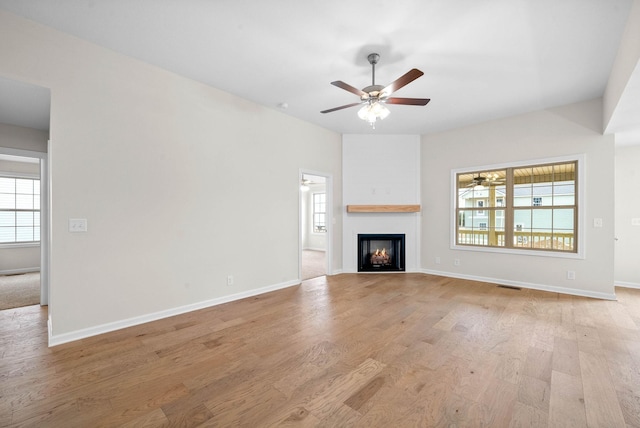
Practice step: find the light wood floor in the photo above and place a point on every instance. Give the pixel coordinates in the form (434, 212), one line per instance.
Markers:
(351, 350)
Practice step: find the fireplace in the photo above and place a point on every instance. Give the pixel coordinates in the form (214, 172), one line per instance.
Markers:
(380, 252)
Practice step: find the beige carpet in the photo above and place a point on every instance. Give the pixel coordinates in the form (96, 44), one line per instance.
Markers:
(19, 290)
(313, 264)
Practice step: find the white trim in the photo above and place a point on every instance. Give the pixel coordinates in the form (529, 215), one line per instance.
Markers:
(522, 284)
(625, 284)
(518, 252)
(581, 206)
(7, 174)
(22, 153)
(45, 228)
(20, 244)
(59, 339)
(314, 249)
(19, 271)
(50, 328)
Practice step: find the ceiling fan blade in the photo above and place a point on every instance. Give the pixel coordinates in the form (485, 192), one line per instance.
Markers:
(347, 87)
(408, 101)
(407, 78)
(340, 108)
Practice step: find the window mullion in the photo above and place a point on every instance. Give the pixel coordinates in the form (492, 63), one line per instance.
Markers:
(508, 210)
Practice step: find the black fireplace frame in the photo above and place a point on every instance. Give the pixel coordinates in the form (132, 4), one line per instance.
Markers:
(365, 251)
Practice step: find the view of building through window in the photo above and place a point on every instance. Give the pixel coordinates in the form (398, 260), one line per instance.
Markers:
(533, 207)
(19, 210)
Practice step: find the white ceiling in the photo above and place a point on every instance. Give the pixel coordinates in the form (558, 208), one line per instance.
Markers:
(482, 59)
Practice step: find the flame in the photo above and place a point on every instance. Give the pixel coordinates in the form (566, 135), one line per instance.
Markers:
(380, 253)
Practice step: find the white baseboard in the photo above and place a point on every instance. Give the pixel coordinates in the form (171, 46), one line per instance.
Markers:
(19, 271)
(522, 284)
(59, 339)
(625, 284)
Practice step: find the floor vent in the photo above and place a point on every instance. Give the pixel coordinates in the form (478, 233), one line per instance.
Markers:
(510, 287)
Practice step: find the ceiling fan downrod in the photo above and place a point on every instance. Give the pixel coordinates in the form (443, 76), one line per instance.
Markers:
(373, 60)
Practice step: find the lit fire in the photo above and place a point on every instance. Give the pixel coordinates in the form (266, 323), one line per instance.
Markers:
(380, 257)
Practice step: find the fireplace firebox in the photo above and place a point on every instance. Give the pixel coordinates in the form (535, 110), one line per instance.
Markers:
(381, 253)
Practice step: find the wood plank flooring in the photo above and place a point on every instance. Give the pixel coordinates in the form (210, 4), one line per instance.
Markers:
(401, 350)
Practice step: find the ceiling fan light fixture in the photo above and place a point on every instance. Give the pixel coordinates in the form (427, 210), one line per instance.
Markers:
(304, 185)
(371, 112)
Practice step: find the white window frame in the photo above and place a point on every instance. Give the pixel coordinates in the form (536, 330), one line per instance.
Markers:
(322, 213)
(581, 206)
(35, 243)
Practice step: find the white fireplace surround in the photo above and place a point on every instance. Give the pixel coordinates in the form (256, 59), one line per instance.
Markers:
(381, 170)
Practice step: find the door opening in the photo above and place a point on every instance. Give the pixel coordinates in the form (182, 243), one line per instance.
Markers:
(315, 224)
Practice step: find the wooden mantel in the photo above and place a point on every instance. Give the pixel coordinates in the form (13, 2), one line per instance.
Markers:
(383, 208)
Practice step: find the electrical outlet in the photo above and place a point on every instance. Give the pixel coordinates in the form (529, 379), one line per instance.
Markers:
(597, 222)
(229, 279)
(456, 262)
(437, 260)
(77, 225)
(571, 274)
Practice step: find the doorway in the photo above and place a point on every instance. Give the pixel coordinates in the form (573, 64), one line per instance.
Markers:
(23, 229)
(24, 131)
(315, 224)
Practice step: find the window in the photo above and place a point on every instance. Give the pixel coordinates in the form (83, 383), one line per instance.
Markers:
(533, 207)
(19, 210)
(319, 212)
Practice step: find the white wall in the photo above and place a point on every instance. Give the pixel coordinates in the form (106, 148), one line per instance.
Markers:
(627, 268)
(18, 137)
(168, 173)
(380, 170)
(569, 130)
(18, 259)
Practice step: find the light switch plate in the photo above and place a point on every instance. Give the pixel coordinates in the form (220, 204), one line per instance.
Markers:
(77, 225)
(597, 222)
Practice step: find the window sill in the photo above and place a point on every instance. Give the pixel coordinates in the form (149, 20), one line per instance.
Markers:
(500, 250)
(19, 244)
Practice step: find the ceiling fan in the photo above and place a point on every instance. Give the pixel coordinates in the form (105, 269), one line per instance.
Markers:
(491, 179)
(373, 98)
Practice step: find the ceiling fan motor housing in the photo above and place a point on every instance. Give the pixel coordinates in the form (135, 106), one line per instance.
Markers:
(373, 91)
